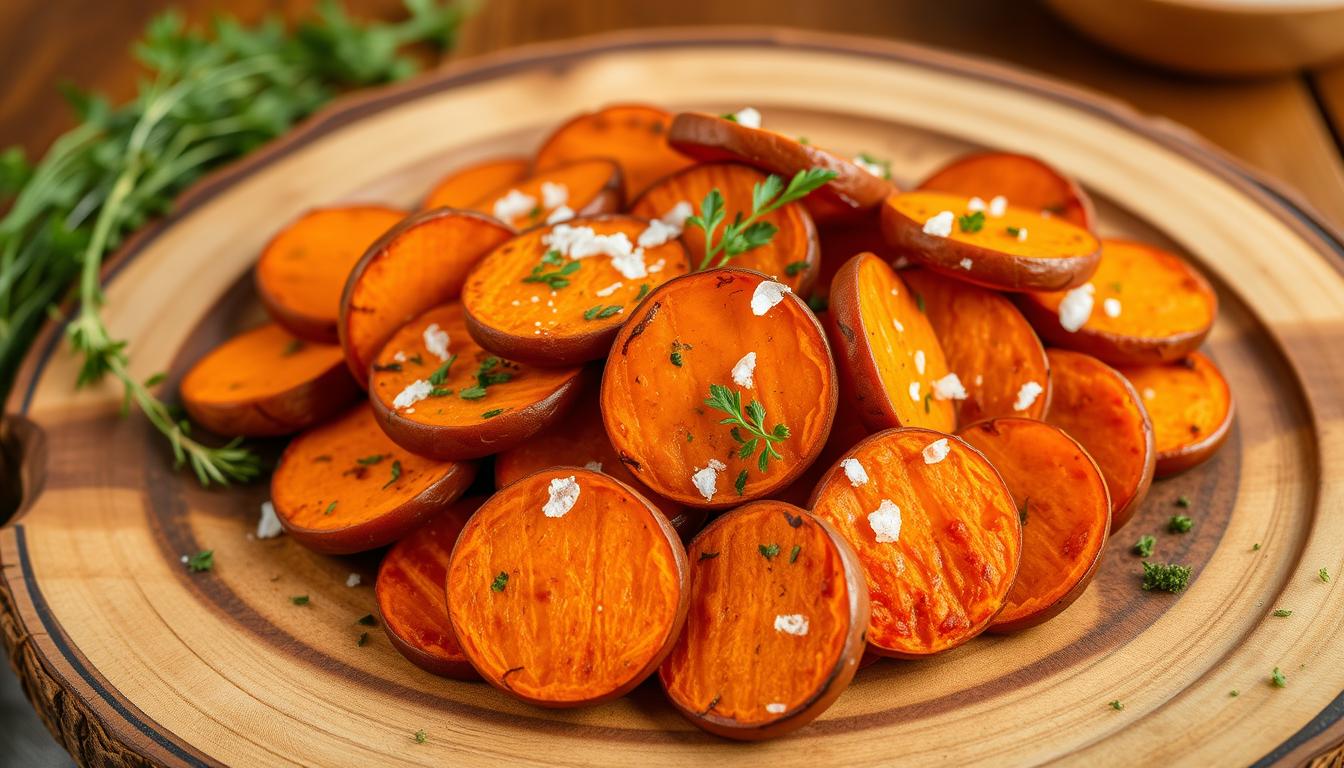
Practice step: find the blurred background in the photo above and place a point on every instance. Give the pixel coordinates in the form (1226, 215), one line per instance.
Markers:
(1260, 79)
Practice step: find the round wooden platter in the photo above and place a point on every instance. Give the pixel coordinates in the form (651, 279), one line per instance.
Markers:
(129, 658)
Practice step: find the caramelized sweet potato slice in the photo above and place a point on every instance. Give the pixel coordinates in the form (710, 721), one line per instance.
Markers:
(302, 271)
(772, 588)
(710, 138)
(1143, 305)
(344, 487)
(1191, 408)
(411, 597)
(891, 364)
(265, 382)
(567, 588)
(556, 295)
(438, 394)
(988, 344)
(1065, 510)
(937, 533)
(720, 389)
(790, 256)
(464, 187)
(1025, 181)
(579, 439)
(581, 188)
(1015, 249)
(419, 264)
(1100, 409)
(633, 135)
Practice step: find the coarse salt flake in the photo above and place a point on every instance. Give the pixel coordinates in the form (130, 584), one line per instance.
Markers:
(1021, 234)
(1026, 395)
(998, 206)
(975, 204)
(436, 341)
(610, 289)
(400, 356)
(899, 327)
(268, 526)
(854, 471)
(965, 264)
(352, 580)
(1076, 307)
(949, 388)
(593, 466)
(413, 393)
(1111, 307)
(939, 224)
(871, 167)
(914, 391)
(767, 294)
(791, 624)
(514, 204)
(744, 371)
(776, 708)
(748, 116)
(919, 361)
(886, 522)
(563, 492)
(936, 451)
(553, 195)
(706, 480)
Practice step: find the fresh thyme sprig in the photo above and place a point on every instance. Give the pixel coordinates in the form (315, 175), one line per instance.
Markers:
(747, 232)
(752, 419)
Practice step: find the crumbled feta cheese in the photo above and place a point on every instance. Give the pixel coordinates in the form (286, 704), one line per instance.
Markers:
(583, 242)
(854, 471)
(1111, 307)
(413, 393)
(914, 391)
(939, 224)
(630, 265)
(1076, 307)
(919, 361)
(610, 289)
(776, 708)
(656, 234)
(748, 117)
(767, 294)
(514, 204)
(949, 388)
(966, 264)
(886, 522)
(352, 580)
(436, 341)
(563, 213)
(553, 195)
(593, 466)
(400, 357)
(679, 214)
(872, 168)
(979, 379)
(1021, 234)
(899, 328)
(268, 526)
(744, 371)
(657, 266)
(975, 204)
(185, 559)
(1149, 393)
(563, 492)
(791, 624)
(998, 206)
(1026, 395)
(936, 451)
(706, 480)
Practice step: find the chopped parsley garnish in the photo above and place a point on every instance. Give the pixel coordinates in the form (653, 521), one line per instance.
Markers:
(1277, 679)
(928, 407)
(1324, 574)
(793, 268)
(600, 312)
(330, 508)
(1234, 693)
(367, 620)
(292, 348)
(556, 278)
(752, 419)
(744, 233)
(1165, 577)
(201, 561)
(643, 291)
(396, 474)
(416, 359)
(885, 165)
(1144, 546)
(490, 414)
(395, 367)
(363, 639)
(440, 374)
(440, 392)
(793, 554)
(299, 600)
(420, 737)
(1116, 286)
(1117, 705)
(729, 116)
(818, 303)
(740, 484)
(769, 551)
(1255, 547)
(1183, 502)
(971, 222)
(472, 393)
(1022, 511)
(1013, 231)
(486, 375)
(675, 357)
(369, 461)
(501, 581)
(1282, 613)
(1180, 524)
(708, 555)
(919, 300)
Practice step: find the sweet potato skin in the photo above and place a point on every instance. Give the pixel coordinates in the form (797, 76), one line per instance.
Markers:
(604, 196)
(1024, 180)
(463, 187)
(837, 569)
(634, 135)
(356, 433)
(1184, 440)
(1051, 477)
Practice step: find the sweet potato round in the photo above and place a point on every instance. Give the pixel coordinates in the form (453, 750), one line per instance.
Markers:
(265, 382)
(634, 135)
(411, 597)
(335, 492)
(711, 138)
(881, 335)
(565, 605)
(1191, 407)
(1055, 255)
(1065, 510)
(754, 572)
(417, 265)
(690, 334)
(1026, 181)
(958, 539)
(463, 187)
(1100, 409)
(592, 186)
(790, 257)
(303, 269)
(988, 344)
(1165, 308)
(533, 323)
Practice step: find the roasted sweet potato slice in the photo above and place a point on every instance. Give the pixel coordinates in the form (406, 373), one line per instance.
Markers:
(419, 264)
(711, 138)
(465, 187)
(937, 533)
(633, 135)
(1065, 510)
(567, 588)
(344, 487)
(891, 364)
(1191, 408)
(772, 584)
(581, 188)
(556, 295)
(988, 344)
(720, 389)
(265, 382)
(1012, 249)
(1099, 408)
(579, 439)
(411, 597)
(302, 271)
(1027, 181)
(1143, 305)
(438, 394)
(790, 256)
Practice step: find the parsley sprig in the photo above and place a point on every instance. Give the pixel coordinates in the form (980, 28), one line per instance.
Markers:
(751, 419)
(486, 375)
(747, 232)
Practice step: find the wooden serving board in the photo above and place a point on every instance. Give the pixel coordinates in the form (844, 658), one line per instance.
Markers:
(129, 658)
